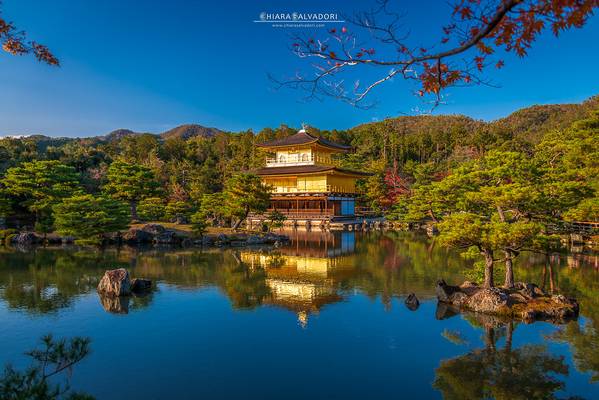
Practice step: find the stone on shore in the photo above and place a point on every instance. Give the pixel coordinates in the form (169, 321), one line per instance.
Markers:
(153, 229)
(137, 236)
(167, 237)
(115, 282)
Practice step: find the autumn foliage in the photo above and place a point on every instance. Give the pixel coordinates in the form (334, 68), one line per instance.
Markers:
(16, 43)
(467, 45)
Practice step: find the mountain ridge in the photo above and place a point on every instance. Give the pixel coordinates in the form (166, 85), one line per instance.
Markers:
(528, 121)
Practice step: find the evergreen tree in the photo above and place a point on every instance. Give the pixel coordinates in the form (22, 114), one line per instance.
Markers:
(178, 211)
(245, 193)
(87, 217)
(213, 206)
(151, 209)
(38, 185)
(199, 223)
(130, 183)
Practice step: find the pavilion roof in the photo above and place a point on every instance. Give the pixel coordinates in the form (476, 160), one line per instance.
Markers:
(303, 137)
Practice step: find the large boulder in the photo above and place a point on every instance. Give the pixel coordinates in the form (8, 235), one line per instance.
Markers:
(153, 229)
(444, 291)
(167, 237)
(486, 300)
(115, 282)
(136, 236)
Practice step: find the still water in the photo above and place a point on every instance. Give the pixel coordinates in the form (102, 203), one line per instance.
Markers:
(323, 317)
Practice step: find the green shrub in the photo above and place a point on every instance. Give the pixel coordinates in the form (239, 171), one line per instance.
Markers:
(176, 210)
(199, 223)
(87, 217)
(151, 209)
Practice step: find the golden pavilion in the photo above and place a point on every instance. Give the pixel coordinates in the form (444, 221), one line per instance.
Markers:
(305, 182)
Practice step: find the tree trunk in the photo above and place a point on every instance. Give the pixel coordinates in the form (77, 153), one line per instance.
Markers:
(431, 213)
(509, 270)
(501, 214)
(134, 211)
(551, 278)
(237, 223)
(488, 268)
(544, 279)
(509, 267)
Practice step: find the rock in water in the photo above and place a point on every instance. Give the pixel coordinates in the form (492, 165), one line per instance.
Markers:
(444, 291)
(115, 282)
(140, 285)
(412, 302)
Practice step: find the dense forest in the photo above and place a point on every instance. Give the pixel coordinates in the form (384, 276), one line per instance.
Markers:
(178, 170)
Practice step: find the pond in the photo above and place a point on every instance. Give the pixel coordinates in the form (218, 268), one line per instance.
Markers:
(322, 317)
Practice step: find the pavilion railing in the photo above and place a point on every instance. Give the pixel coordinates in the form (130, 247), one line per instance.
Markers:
(296, 159)
(313, 189)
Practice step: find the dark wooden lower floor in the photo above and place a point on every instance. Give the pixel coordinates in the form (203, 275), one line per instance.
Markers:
(326, 206)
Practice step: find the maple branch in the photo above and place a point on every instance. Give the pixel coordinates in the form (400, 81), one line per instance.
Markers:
(476, 25)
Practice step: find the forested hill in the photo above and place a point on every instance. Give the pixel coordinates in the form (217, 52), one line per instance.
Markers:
(193, 159)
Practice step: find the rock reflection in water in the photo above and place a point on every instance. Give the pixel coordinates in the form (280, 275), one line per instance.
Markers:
(122, 304)
(114, 304)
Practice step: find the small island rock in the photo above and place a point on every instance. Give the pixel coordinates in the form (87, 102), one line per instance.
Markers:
(412, 302)
(140, 285)
(115, 282)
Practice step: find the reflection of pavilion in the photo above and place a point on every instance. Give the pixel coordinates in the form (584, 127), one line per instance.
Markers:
(302, 276)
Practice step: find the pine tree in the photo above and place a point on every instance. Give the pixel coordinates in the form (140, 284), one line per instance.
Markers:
(245, 193)
(87, 217)
(38, 185)
(130, 183)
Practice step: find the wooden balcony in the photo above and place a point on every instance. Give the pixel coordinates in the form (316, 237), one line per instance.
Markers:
(314, 189)
(308, 211)
(297, 159)
(305, 213)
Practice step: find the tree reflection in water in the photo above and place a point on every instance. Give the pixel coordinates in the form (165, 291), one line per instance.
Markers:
(527, 372)
(316, 270)
(583, 339)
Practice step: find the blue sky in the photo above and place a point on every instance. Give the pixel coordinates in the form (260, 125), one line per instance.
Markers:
(151, 65)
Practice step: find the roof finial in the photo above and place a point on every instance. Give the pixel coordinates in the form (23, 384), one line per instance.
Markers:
(304, 127)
